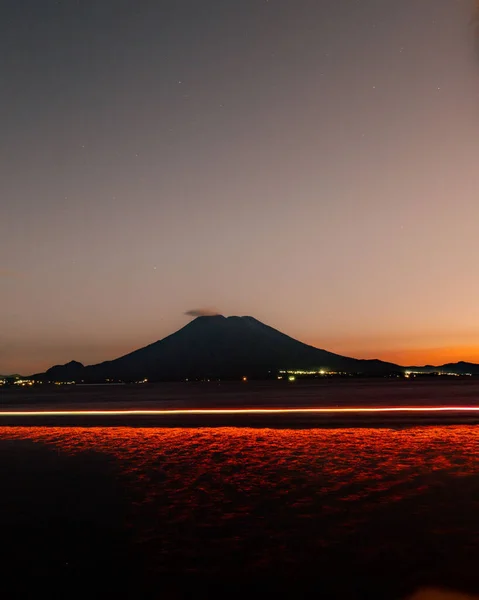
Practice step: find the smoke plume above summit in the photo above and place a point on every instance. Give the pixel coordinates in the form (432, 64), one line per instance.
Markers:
(202, 312)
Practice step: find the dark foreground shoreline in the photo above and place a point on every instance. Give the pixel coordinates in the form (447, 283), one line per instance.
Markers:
(330, 505)
(132, 513)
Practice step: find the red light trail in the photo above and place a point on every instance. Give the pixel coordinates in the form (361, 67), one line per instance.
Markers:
(240, 411)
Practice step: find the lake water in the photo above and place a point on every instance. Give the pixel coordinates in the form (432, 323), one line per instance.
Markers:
(349, 513)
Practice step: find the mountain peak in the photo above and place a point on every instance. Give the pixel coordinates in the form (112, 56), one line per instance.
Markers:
(212, 346)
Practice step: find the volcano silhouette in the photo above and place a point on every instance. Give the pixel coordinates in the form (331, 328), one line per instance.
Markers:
(218, 347)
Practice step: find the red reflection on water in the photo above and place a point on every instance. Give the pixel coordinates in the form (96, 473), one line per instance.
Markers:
(210, 494)
(373, 460)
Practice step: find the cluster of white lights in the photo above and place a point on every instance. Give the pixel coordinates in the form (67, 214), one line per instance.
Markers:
(448, 374)
(301, 372)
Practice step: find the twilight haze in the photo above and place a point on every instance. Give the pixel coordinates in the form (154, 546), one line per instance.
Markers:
(313, 164)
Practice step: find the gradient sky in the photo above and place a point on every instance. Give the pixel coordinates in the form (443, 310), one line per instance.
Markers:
(311, 163)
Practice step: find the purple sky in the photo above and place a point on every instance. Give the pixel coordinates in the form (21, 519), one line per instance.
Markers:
(313, 164)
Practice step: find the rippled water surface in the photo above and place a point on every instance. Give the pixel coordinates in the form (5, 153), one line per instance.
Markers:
(376, 506)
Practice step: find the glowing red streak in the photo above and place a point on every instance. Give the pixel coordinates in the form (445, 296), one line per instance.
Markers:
(239, 411)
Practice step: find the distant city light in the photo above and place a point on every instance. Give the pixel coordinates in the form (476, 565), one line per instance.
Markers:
(408, 374)
(23, 382)
(300, 372)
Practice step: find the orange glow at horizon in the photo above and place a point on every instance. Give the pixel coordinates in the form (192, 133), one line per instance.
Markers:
(432, 356)
(406, 356)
